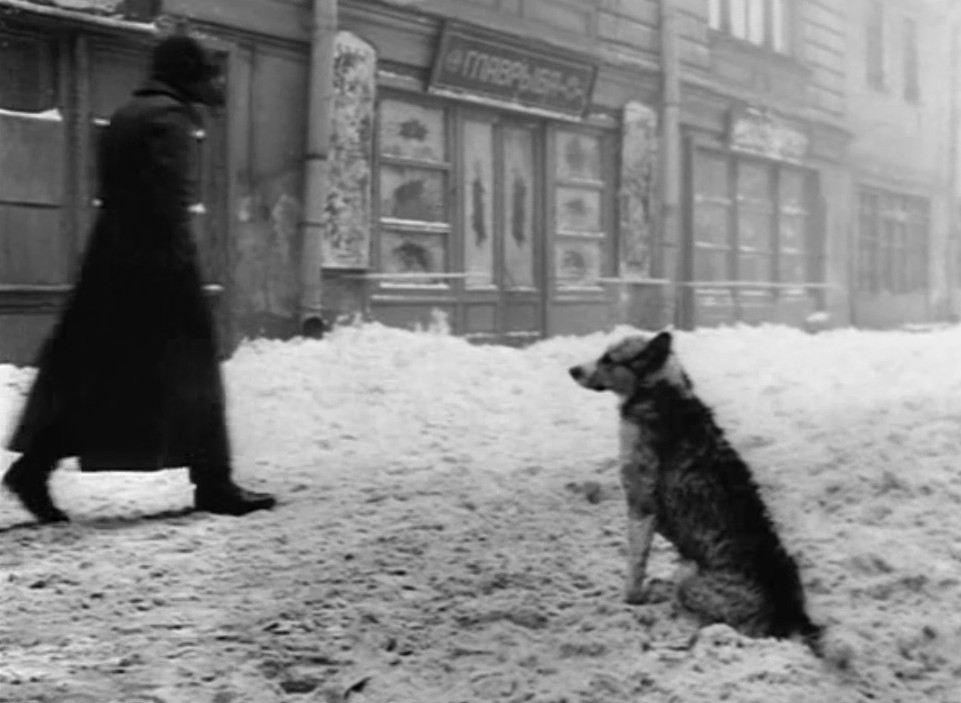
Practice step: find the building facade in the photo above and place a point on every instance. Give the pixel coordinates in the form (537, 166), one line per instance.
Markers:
(63, 74)
(494, 168)
(486, 191)
(765, 148)
(902, 91)
(501, 161)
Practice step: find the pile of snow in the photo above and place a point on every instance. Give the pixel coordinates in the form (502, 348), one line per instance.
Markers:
(434, 534)
(51, 115)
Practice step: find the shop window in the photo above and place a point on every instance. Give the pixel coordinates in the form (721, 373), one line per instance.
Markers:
(761, 22)
(755, 206)
(28, 80)
(712, 218)
(893, 237)
(578, 157)
(868, 245)
(893, 246)
(414, 252)
(917, 232)
(795, 265)
(578, 210)
(579, 197)
(410, 131)
(414, 192)
(769, 204)
(411, 193)
(34, 237)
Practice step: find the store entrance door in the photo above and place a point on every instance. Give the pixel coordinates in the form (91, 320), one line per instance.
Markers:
(503, 239)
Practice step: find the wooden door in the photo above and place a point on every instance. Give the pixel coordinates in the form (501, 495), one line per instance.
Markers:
(520, 237)
(502, 242)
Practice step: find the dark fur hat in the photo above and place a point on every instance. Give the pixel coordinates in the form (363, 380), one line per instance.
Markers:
(181, 61)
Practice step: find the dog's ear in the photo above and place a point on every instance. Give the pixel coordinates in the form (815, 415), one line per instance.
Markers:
(657, 351)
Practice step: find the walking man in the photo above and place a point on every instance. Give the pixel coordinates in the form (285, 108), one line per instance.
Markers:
(130, 379)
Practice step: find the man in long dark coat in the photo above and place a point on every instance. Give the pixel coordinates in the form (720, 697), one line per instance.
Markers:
(130, 379)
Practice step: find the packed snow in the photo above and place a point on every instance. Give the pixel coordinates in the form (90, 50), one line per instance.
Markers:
(451, 530)
(52, 115)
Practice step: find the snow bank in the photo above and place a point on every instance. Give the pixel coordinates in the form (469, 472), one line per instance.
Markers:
(414, 397)
(434, 533)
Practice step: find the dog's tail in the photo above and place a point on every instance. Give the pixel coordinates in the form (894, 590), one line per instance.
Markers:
(826, 643)
(812, 635)
(791, 619)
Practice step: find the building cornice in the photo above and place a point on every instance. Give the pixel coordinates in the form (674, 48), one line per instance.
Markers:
(90, 17)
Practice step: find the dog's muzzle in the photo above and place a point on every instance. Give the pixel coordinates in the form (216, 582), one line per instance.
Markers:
(584, 374)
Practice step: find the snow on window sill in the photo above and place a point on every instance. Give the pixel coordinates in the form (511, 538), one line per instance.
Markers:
(403, 285)
(52, 115)
(422, 226)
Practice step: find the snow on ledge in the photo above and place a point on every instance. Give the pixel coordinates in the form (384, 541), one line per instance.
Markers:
(52, 115)
(82, 12)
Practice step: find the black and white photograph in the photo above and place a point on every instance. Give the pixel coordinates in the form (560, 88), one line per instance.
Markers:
(450, 351)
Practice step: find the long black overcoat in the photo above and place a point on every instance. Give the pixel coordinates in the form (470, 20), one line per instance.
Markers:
(129, 378)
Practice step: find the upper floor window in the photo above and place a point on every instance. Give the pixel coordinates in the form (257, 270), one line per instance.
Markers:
(912, 73)
(761, 22)
(874, 44)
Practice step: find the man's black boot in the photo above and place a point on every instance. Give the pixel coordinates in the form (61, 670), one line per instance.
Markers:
(227, 498)
(28, 482)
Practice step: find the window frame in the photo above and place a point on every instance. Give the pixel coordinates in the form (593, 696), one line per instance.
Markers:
(890, 259)
(51, 68)
(445, 280)
(603, 186)
(743, 19)
(44, 249)
(769, 210)
(726, 201)
(454, 280)
(808, 249)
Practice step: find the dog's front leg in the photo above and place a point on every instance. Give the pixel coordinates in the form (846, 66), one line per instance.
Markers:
(641, 523)
(640, 534)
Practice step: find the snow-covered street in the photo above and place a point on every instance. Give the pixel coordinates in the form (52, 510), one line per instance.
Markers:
(451, 530)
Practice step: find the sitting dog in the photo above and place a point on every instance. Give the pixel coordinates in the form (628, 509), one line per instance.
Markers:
(685, 482)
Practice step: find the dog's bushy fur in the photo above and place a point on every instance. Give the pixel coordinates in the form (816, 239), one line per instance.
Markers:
(684, 481)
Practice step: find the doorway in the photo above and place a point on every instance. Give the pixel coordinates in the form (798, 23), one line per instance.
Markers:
(503, 242)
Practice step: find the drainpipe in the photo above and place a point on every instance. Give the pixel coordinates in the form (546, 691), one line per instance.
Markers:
(671, 154)
(320, 109)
